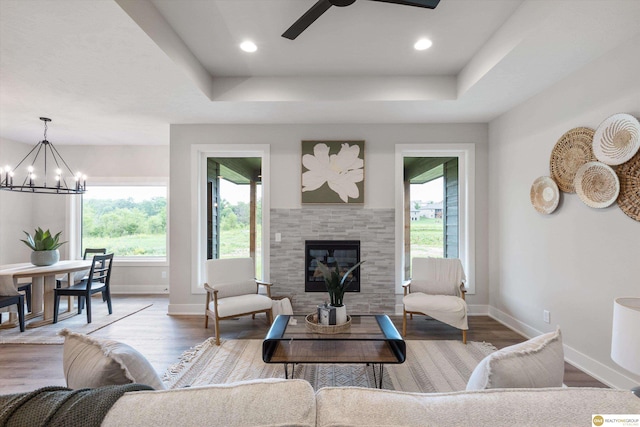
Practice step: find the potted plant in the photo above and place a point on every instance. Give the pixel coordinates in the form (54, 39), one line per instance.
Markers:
(337, 283)
(44, 246)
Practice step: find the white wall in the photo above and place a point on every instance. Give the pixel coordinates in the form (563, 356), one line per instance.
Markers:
(26, 211)
(284, 141)
(577, 260)
(16, 210)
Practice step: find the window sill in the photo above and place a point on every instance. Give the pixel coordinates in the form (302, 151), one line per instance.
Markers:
(141, 262)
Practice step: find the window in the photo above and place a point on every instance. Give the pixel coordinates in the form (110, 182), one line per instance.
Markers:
(234, 208)
(453, 165)
(432, 208)
(128, 220)
(206, 198)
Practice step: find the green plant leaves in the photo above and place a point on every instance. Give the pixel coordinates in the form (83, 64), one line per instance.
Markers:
(42, 240)
(336, 285)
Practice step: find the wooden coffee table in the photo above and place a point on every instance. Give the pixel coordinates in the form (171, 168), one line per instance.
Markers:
(371, 339)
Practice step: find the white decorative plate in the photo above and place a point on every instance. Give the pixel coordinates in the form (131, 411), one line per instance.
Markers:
(545, 195)
(597, 185)
(617, 139)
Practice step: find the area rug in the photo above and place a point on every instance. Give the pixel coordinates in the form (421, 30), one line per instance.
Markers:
(48, 334)
(431, 366)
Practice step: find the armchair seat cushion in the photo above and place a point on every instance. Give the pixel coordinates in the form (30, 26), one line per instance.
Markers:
(242, 304)
(449, 309)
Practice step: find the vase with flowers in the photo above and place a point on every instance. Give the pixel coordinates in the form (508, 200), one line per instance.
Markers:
(337, 283)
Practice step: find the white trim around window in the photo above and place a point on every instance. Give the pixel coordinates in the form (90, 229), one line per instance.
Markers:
(466, 178)
(74, 215)
(199, 154)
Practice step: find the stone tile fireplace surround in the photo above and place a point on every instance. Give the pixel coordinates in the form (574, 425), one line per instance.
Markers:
(375, 228)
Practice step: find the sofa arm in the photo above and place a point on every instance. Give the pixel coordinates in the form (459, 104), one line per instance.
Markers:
(249, 403)
(549, 407)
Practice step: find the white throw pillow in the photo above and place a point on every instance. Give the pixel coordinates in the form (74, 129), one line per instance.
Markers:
(536, 363)
(92, 362)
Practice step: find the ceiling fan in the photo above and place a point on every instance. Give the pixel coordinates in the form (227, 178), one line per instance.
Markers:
(322, 6)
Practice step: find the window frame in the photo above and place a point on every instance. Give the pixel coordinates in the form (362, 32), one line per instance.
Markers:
(75, 219)
(466, 188)
(199, 155)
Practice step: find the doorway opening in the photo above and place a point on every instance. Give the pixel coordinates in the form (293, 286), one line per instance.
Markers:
(431, 194)
(234, 209)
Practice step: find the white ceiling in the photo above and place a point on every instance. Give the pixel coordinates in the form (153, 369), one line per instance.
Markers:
(121, 71)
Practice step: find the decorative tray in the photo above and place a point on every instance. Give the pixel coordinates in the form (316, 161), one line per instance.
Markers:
(315, 327)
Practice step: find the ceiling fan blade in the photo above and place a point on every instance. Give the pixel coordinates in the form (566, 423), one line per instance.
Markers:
(429, 4)
(307, 19)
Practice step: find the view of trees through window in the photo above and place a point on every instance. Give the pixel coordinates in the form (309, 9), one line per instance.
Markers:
(234, 222)
(427, 234)
(130, 221)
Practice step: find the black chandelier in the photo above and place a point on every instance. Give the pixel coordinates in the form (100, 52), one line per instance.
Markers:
(30, 182)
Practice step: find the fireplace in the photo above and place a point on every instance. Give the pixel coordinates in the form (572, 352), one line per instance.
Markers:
(342, 253)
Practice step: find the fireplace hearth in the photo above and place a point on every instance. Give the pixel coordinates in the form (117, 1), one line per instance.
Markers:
(342, 253)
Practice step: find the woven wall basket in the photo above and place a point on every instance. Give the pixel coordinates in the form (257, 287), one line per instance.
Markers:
(629, 198)
(597, 185)
(573, 149)
(617, 139)
(545, 195)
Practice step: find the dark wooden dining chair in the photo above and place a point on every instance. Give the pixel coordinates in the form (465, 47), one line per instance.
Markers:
(26, 288)
(6, 301)
(97, 281)
(88, 251)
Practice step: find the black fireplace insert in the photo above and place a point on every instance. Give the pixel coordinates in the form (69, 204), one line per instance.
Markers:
(341, 253)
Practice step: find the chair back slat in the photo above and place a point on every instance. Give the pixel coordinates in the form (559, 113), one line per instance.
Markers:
(94, 251)
(100, 269)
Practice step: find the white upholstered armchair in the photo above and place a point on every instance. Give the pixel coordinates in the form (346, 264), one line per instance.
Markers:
(436, 289)
(232, 291)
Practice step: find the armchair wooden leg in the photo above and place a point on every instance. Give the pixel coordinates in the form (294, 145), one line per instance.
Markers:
(464, 336)
(217, 325)
(404, 322)
(206, 319)
(270, 316)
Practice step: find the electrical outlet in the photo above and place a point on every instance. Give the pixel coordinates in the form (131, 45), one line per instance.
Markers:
(163, 274)
(546, 316)
(278, 237)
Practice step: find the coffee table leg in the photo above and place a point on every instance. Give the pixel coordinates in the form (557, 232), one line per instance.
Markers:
(286, 370)
(377, 381)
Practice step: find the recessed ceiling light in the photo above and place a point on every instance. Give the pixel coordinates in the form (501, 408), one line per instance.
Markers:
(422, 44)
(248, 46)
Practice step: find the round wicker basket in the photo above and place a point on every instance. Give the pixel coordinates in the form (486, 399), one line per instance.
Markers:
(315, 327)
(544, 195)
(629, 198)
(597, 185)
(617, 139)
(573, 149)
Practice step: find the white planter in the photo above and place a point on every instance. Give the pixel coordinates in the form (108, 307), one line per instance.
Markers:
(341, 314)
(43, 258)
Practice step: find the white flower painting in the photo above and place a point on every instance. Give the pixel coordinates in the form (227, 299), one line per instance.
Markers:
(332, 172)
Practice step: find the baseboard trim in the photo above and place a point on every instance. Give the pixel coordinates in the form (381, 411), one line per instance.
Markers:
(596, 369)
(139, 289)
(186, 309)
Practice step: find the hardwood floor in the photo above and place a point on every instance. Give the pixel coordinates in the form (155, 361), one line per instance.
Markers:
(163, 338)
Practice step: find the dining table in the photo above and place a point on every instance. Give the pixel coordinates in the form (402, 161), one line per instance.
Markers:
(43, 282)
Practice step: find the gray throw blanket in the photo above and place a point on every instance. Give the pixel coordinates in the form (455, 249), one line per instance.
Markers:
(61, 406)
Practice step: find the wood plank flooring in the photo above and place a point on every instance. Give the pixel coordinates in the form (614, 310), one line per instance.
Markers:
(163, 338)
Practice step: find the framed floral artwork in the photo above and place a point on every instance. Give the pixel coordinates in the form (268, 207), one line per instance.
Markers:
(333, 172)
